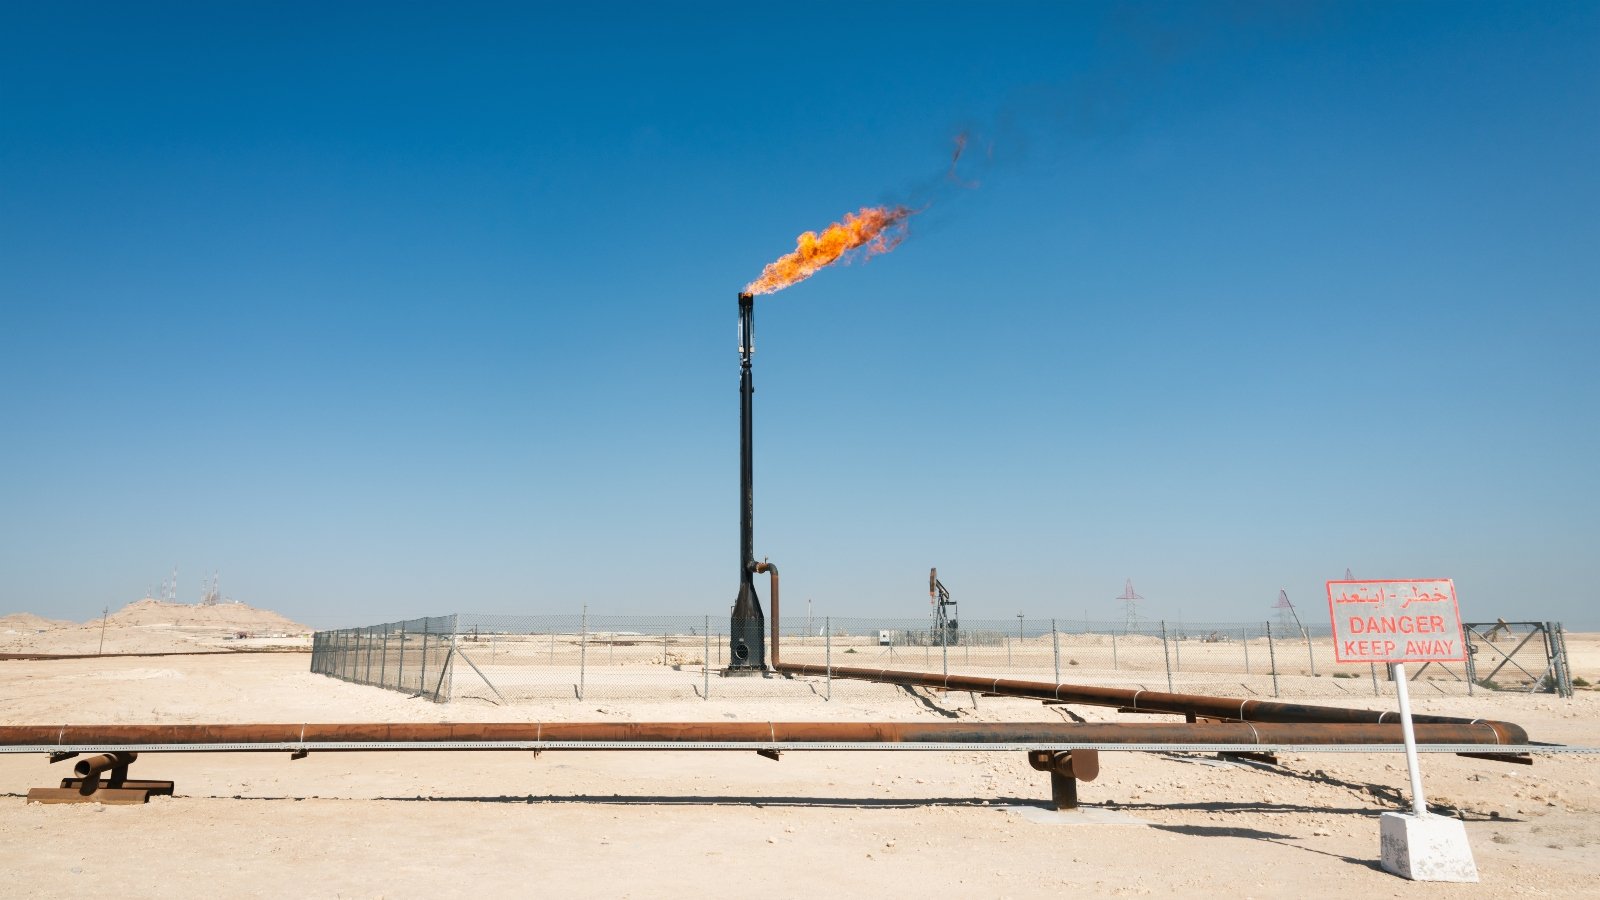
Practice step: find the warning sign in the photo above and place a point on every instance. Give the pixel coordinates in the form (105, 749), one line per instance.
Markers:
(1395, 621)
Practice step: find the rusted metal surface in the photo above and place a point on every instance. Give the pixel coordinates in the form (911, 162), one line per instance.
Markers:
(88, 788)
(91, 768)
(1066, 769)
(772, 570)
(756, 733)
(1222, 708)
(1083, 765)
(134, 792)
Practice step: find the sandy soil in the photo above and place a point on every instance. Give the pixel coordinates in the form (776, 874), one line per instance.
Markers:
(686, 823)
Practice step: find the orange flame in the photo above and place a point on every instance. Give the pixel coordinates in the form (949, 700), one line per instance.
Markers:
(871, 231)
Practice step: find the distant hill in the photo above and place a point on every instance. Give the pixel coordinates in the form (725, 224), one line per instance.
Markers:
(228, 616)
(26, 622)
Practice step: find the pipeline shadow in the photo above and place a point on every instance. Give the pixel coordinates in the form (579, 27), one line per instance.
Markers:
(863, 803)
(1223, 831)
(928, 703)
(1245, 806)
(1267, 837)
(728, 800)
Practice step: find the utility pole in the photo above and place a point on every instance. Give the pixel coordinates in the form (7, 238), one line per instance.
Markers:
(104, 615)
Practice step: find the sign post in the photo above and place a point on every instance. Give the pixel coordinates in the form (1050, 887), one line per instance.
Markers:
(1396, 622)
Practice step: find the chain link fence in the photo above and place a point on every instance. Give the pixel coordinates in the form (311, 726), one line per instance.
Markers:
(412, 656)
(508, 659)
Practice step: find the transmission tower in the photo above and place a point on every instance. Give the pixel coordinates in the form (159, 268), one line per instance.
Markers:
(1286, 611)
(212, 594)
(1130, 607)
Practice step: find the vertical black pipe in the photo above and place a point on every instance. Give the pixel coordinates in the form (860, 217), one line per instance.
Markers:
(745, 634)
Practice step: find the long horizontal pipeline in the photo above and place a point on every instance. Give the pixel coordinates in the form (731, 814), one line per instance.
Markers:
(935, 746)
(1259, 711)
(49, 656)
(757, 733)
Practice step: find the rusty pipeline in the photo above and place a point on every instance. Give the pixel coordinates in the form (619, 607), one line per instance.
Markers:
(94, 765)
(273, 736)
(771, 570)
(1200, 705)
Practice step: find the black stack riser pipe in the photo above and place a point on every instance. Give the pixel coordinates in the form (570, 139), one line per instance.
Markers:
(746, 632)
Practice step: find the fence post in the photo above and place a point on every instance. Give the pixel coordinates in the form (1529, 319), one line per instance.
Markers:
(1471, 665)
(1373, 668)
(1272, 656)
(705, 660)
(422, 678)
(1113, 649)
(1311, 655)
(944, 650)
(1177, 648)
(400, 671)
(383, 661)
(1245, 634)
(1008, 652)
(1055, 649)
(448, 676)
(827, 624)
(370, 642)
(583, 649)
(1165, 656)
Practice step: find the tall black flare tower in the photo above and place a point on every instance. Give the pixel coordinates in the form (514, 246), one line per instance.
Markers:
(746, 646)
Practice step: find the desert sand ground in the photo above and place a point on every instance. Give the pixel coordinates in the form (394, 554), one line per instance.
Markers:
(684, 824)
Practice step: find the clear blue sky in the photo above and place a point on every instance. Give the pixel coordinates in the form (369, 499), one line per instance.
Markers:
(392, 309)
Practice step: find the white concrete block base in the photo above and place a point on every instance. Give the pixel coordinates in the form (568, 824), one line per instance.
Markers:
(1431, 848)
